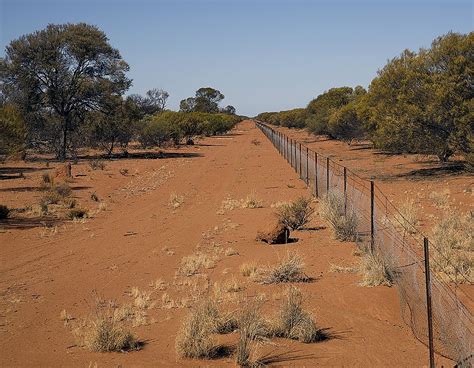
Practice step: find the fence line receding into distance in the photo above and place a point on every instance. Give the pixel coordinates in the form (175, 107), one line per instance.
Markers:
(435, 312)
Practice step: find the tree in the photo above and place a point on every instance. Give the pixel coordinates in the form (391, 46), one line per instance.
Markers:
(187, 105)
(154, 101)
(206, 100)
(422, 102)
(114, 125)
(320, 109)
(229, 109)
(62, 72)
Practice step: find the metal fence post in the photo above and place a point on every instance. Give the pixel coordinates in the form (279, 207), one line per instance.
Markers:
(307, 171)
(295, 166)
(372, 215)
(327, 175)
(345, 191)
(300, 162)
(316, 174)
(428, 301)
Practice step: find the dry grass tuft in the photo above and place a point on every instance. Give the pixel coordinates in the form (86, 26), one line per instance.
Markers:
(342, 269)
(231, 252)
(195, 339)
(190, 265)
(343, 222)
(453, 250)
(294, 322)
(249, 269)
(251, 201)
(252, 327)
(104, 332)
(289, 269)
(296, 214)
(408, 216)
(375, 270)
(176, 200)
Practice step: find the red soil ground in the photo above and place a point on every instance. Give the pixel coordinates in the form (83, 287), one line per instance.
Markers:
(138, 238)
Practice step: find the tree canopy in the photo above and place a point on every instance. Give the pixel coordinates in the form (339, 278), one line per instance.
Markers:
(58, 74)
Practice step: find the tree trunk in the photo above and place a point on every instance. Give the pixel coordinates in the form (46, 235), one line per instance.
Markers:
(62, 156)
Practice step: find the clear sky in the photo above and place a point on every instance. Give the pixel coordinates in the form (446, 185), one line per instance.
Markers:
(262, 55)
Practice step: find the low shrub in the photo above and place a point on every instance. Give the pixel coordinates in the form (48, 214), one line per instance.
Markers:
(195, 339)
(343, 221)
(289, 269)
(252, 327)
(294, 322)
(296, 214)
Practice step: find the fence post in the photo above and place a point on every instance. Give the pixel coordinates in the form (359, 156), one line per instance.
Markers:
(307, 171)
(300, 162)
(296, 166)
(345, 191)
(316, 173)
(327, 175)
(428, 301)
(372, 223)
(287, 159)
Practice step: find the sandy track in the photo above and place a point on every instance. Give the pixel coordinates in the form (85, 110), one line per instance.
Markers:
(40, 277)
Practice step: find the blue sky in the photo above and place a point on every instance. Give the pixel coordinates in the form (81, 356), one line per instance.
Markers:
(262, 55)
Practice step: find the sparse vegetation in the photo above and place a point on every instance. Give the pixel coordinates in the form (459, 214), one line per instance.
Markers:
(190, 265)
(296, 214)
(289, 269)
(343, 221)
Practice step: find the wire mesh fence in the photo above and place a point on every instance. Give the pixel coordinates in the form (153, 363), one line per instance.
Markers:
(381, 225)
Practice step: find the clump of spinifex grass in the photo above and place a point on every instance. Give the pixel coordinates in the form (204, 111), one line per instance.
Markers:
(294, 322)
(103, 331)
(342, 219)
(289, 269)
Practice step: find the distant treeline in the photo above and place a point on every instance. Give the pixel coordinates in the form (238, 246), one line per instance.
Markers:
(419, 102)
(62, 88)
